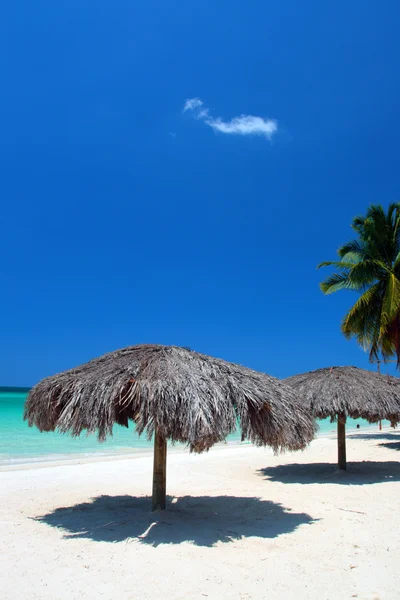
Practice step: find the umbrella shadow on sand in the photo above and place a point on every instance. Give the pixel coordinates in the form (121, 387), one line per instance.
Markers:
(374, 436)
(202, 520)
(358, 473)
(393, 442)
(391, 445)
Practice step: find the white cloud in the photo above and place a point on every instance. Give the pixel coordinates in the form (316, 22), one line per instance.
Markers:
(203, 113)
(192, 104)
(245, 125)
(242, 125)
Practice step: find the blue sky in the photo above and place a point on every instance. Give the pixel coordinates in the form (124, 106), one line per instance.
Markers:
(127, 220)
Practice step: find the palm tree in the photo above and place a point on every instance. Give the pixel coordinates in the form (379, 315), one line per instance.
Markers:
(370, 265)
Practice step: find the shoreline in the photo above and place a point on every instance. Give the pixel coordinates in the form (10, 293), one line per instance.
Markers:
(26, 463)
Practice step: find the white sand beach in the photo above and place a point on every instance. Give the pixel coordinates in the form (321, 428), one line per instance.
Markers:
(241, 524)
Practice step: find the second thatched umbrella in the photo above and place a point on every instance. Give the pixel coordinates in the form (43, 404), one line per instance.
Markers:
(341, 392)
(175, 394)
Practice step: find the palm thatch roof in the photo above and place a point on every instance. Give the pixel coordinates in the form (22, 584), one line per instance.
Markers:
(188, 397)
(349, 391)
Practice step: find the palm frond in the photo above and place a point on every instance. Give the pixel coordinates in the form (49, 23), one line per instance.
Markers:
(339, 264)
(354, 248)
(390, 304)
(335, 282)
(360, 318)
(358, 223)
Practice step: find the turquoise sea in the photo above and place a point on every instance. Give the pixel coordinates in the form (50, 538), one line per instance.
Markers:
(20, 443)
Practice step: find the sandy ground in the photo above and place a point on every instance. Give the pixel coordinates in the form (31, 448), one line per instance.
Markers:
(241, 524)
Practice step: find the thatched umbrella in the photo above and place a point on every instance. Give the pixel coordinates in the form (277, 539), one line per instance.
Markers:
(175, 394)
(341, 392)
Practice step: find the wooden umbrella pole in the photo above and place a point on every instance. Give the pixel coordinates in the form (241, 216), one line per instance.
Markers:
(341, 435)
(159, 472)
